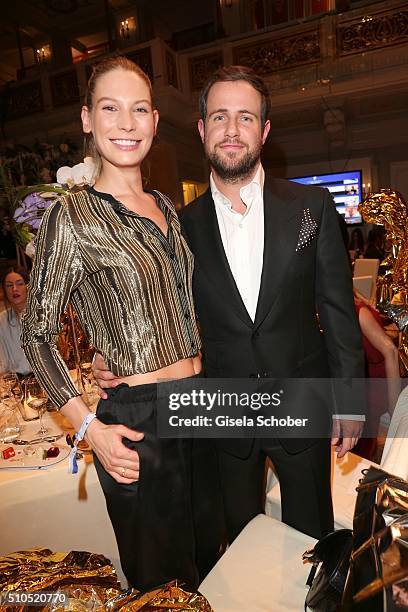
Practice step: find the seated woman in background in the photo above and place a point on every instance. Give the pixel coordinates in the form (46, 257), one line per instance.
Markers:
(12, 357)
(375, 244)
(356, 242)
(381, 356)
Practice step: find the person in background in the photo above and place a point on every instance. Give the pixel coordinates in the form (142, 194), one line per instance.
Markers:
(356, 242)
(381, 357)
(12, 357)
(116, 252)
(375, 243)
(7, 243)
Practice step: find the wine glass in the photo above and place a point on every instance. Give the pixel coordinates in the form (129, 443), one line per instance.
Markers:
(9, 422)
(8, 384)
(37, 399)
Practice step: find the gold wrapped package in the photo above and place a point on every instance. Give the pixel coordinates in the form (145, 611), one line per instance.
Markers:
(168, 598)
(84, 576)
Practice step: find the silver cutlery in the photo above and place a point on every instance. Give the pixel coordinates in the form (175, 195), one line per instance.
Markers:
(37, 440)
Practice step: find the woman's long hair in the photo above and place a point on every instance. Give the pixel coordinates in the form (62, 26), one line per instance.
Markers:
(25, 275)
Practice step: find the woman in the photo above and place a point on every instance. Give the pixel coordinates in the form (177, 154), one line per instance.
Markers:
(356, 242)
(375, 243)
(116, 252)
(12, 357)
(381, 356)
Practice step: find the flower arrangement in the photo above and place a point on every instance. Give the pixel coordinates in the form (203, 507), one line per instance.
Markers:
(31, 202)
(30, 205)
(21, 165)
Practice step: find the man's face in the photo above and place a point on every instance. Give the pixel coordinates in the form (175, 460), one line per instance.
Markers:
(232, 133)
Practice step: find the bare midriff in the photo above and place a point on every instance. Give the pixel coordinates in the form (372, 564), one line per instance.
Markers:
(181, 369)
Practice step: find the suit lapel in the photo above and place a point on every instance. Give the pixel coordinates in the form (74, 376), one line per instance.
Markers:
(216, 262)
(282, 218)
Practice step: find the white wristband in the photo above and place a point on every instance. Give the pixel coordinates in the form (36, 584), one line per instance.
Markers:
(73, 466)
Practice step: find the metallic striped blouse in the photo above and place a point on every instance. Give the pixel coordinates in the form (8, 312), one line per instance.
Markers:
(130, 285)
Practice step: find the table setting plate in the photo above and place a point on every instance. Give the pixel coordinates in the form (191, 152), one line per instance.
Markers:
(24, 461)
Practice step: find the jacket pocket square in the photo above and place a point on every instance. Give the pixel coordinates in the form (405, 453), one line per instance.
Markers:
(308, 230)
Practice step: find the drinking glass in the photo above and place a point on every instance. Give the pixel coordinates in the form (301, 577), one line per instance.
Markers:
(9, 385)
(36, 399)
(9, 422)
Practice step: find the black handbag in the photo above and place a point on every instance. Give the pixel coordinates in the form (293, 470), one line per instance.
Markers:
(332, 554)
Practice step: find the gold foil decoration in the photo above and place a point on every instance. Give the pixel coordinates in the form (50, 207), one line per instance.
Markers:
(389, 209)
(89, 580)
(169, 598)
(90, 575)
(390, 560)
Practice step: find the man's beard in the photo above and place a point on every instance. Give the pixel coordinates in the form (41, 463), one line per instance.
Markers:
(232, 170)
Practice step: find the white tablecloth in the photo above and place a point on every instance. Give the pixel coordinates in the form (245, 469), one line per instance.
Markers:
(346, 473)
(55, 509)
(262, 571)
(395, 455)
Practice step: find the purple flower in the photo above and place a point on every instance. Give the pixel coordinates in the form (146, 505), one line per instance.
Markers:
(18, 212)
(35, 223)
(31, 209)
(34, 200)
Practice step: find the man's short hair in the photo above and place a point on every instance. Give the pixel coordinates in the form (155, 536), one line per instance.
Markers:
(236, 73)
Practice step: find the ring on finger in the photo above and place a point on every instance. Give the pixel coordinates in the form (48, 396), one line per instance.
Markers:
(123, 472)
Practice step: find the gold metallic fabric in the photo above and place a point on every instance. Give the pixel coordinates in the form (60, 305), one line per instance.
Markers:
(169, 598)
(89, 581)
(89, 575)
(130, 286)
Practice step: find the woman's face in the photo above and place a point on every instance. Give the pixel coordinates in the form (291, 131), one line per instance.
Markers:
(16, 289)
(122, 120)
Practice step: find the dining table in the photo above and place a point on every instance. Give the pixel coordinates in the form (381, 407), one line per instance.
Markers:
(49, 507)
(261, 571)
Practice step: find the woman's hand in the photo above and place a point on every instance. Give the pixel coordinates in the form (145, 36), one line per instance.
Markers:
(120, 462)
(104, 377)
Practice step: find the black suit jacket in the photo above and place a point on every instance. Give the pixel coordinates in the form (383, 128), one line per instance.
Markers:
(297, 282)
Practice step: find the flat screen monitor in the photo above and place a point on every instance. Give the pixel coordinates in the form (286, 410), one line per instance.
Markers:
(346, 189)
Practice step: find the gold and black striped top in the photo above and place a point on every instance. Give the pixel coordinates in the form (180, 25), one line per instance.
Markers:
(130, 285)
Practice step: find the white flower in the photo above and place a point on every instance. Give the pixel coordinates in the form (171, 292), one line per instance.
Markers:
(64, 176)
(30, 249)
(89, 161)
(83, 173)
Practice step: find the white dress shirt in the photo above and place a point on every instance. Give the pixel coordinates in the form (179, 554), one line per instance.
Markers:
(242, 237)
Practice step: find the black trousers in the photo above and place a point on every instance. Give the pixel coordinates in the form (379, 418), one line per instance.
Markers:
(304, 479)
(168, 524)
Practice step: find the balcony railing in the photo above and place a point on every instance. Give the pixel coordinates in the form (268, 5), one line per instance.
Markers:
(332, 47)
(54, 89)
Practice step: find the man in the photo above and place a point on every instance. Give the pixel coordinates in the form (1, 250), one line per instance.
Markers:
(268, 253)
